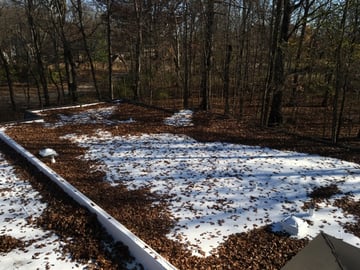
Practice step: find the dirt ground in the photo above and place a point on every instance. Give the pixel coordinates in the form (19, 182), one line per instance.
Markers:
(138, 213)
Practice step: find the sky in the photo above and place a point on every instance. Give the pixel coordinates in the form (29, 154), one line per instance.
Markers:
(218, 188)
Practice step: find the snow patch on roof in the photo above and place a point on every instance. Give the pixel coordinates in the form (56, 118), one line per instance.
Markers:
(19, 204)
(220, 188)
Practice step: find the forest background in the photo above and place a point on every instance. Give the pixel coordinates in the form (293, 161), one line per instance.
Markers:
(271, 63)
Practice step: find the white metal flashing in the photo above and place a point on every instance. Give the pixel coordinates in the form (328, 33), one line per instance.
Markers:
(67, 107)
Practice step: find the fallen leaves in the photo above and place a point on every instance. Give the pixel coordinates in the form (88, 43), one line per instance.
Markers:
(8, 243)
(324, 192)
(257, 249)
(350, 206)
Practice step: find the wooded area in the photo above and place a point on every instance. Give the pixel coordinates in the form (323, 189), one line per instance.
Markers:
(273, 61)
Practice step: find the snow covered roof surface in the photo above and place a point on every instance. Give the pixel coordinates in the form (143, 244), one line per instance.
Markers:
(221, 188)
(18, 203)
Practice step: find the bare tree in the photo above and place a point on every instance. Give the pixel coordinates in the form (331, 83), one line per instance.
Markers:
(138, 8)
(186, 59)
(36, 41)
(242, 64)
(275, 116)
(344, 53)
(109, 5)
(227, 61)
(207, 54)
(58, 9)
(9, 81)
(303, 21)
(273, 95)
(189, 18)
(4, 60)
(79, 9)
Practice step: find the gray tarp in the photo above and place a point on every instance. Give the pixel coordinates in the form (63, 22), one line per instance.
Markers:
(326, 252)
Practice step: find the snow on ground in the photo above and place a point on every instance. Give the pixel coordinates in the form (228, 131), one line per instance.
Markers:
(18, 203)
(182, 118)
(221, 188)
(90, 116)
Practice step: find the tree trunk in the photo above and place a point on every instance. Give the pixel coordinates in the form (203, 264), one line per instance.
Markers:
(276, 116)
(37, 88)
(207, 56)
(241, 64)
(59, 86)
(293, 98)
(339, 78)
(268, 89)
(87, 49)
(8, 78)
(328, 80)
(138, 49)
(227, 78)
(28, 75)
(186, 56)
(109, 48)
(37, 49)
(59, 19)
(228, 51)
(189, 19)
(52, 79)
(71, 71)
(177, 50)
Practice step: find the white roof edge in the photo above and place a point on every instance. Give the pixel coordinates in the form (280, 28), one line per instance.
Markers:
(67, 107)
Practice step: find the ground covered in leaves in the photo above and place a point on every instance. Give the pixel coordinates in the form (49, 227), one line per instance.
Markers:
(257, 249)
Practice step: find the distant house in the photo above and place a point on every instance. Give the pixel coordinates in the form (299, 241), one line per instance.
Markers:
(325, 252)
